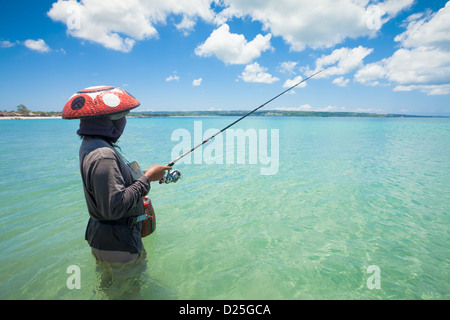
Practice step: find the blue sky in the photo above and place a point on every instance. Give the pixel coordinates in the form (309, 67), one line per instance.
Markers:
(389, 56)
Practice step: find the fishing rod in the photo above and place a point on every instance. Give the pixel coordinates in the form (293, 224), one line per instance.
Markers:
(175, 175)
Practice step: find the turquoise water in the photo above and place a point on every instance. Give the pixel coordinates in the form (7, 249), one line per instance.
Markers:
(349, 193)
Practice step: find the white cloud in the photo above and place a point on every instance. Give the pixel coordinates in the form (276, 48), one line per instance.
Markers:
(173, 77)
(105, 22)
(421, 65)
(341, 82)
(331, 108)
(119, 24)
(287, 67)
(430, 90)
(316, 24)
(256, 73)
(370, 74)
(6, 44)
(368, 110)
(391, 8)
(341, 61)
(430, 31)
(303, 107)
(233, 48)
(197, 82)
(424, 69)
(423, 61)
(292, 82)
(37, 45)
(308, 107)
(186, 25)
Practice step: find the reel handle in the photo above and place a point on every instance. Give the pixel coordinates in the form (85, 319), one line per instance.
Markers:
(169, 165)
(171, 176)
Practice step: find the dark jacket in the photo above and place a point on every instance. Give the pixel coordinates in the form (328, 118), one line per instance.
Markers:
(111, 197)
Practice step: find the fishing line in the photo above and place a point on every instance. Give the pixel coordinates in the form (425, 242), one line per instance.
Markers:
(174, 175)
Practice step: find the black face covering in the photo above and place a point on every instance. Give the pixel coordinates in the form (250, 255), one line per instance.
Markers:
(104, 127)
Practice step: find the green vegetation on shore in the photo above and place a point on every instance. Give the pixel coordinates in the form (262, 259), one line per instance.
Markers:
(23, 111)
(267, 113)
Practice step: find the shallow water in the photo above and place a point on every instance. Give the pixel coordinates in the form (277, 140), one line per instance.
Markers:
(349, 193)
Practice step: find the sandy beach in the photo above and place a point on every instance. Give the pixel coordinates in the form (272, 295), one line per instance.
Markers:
(22, 118)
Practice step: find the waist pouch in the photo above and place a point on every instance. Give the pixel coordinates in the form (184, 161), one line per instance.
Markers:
(149, 224)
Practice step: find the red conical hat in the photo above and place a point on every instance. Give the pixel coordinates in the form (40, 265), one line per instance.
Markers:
(98, 102)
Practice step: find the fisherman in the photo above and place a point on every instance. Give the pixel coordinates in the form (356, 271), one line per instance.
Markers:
(114, 197)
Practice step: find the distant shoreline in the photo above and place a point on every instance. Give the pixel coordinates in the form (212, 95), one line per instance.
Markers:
(272, 113)
(240, 113)
(24, 118)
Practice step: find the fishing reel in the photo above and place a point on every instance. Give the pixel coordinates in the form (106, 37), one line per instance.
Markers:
(171, 176)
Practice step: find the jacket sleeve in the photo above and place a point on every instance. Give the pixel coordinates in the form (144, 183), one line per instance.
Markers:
(114, 199)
